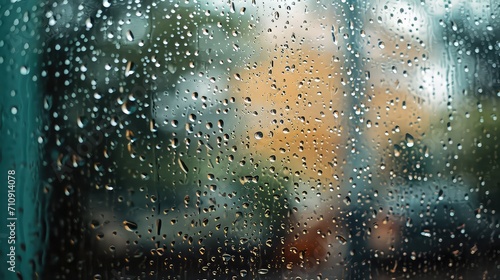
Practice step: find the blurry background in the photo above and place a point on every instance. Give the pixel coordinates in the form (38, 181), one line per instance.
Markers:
(253, 140)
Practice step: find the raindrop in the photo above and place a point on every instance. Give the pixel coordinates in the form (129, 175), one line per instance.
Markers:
(347, 201)
(158, 226)
(183, 166)
(333, 35)
(269, 243)
(13, 110)
(426, 233)
(24, 70)
(130, 69)
(226, 257)
(130, 226)
(397, 150)
(341, 239)
(192, 117)
(89, 22)
(128, 107)
(258, 135)
(68, 190)
(130, 36)
(454, 26)
(263, 271)
(82, 121)
(409, 140)
(381, 45)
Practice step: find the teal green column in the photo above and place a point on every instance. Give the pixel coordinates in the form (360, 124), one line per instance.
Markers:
(21, 140)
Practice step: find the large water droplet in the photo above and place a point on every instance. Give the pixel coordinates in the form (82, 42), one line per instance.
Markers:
(397, 150)
(183, 166)
(130, 226)
(276, 15)
(409, 140)
(226, 257)
(263, 271)
(333, 35)
(130, 69)
(341, 239)
(128, 107)
(82, 121)
(130, 36)
(258, 135)
(25, 70)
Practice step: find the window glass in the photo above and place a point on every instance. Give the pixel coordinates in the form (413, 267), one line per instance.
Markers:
(250, 139)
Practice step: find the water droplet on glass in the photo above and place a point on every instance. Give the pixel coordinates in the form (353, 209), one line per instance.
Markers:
(130, 69)
(454, 26)
(333, 35)
(341, 239)
(68, 190)
(13, 110)
(226, 257)
(426, 233)
(130, 36)
(89, 22)
(82, 121)
(183, 166)
(397, 150)
(192, 117)
(128, 107)
(130, 226)
(263, 271)
(381, 45)
(24, 70)
(347, 201)
(409, 140)
(258, 135)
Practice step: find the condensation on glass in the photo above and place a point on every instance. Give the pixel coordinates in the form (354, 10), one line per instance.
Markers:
(254, 140)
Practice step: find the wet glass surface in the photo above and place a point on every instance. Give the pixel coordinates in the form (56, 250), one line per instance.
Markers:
(251, 140)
